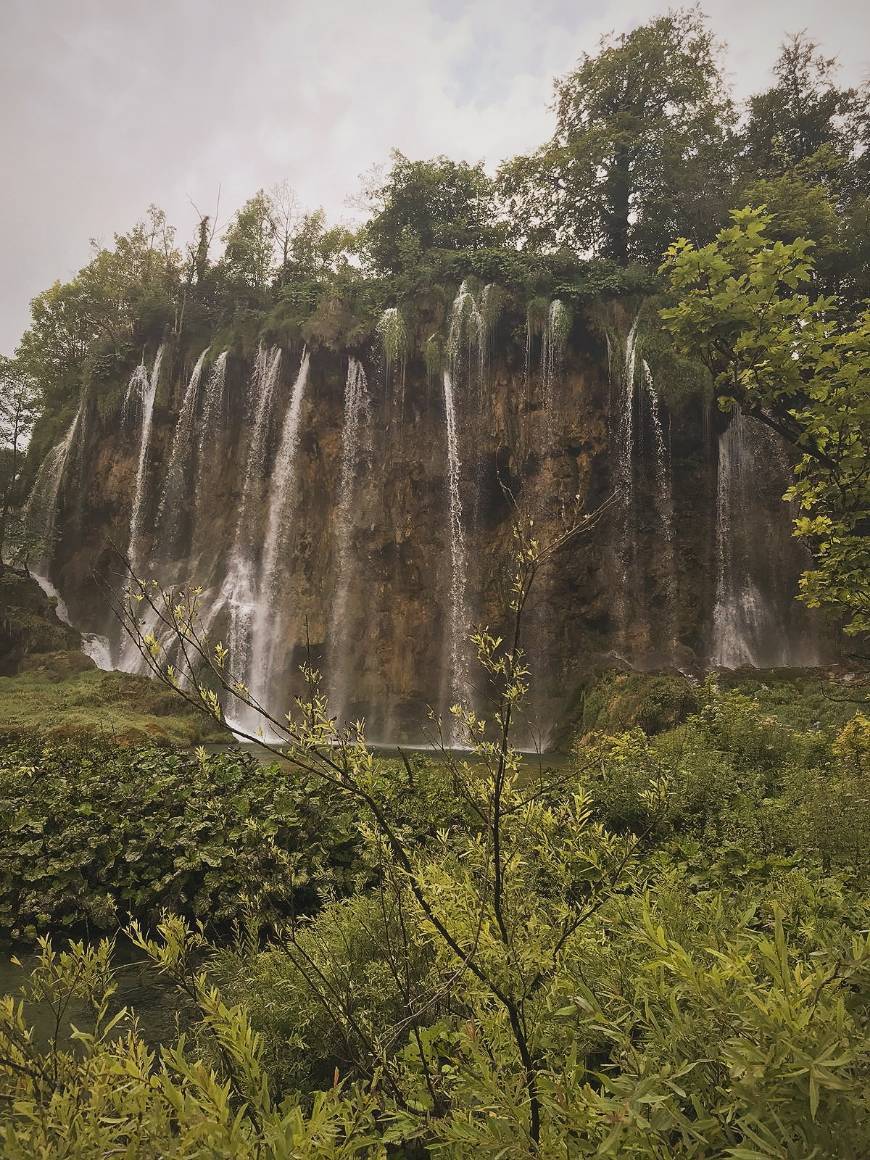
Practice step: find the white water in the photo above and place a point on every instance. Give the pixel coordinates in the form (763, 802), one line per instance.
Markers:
(553, 347)
(755, 619)
(237, 594)
(626, 418)
(142, 388)
(41, 510)
(467, 335)
(458, 682)
(265, 629)
(208, 430)
(623, 433)
(181, 456)
(356, 413)
(739, 613)
(664, 489)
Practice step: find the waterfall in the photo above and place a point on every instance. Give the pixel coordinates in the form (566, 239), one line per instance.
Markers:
(264, 380)
(755, 619)
(356, 413)
(41, 509)
(391, 328)
(664, 491)
(237, 593)
(739, 613)
(207, 438)
(467, 334)
(664, 503)
(623, 434)
(458, 682)
(141, 390)
(555, 340)
(626, 418)
(40, 518)
(265, 629)
(175, 490)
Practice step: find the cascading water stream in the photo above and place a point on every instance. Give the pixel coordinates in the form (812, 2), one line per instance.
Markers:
(356, 415)
(738, 615)
(266, 627)
(623, 433)
(207, 437)
(40, 519)
(553, 345)
(664, 502)
(664, 491)
(41, 510)
(459, 621)
(141, 390)
(181, 457)
(467, 335)
(237, 595)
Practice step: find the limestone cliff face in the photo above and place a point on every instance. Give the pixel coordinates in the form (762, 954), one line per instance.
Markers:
(366, 551)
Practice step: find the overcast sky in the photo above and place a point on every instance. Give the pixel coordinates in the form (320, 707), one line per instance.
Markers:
(108, 105)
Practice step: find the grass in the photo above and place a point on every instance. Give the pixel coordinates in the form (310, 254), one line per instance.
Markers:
(58, 697)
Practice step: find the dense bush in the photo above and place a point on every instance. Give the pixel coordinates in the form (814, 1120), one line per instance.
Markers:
(93, 834)
(693, 975)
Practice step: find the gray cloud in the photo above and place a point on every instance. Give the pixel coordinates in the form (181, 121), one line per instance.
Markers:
(109, 105)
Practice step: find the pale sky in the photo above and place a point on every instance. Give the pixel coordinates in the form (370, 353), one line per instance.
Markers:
(108, 105)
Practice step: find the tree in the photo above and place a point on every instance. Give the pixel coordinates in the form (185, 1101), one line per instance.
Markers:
(641, 151)
(285, 217)
(803, 156)
(133, 284)
(19, 408)
(804, 115)
(249, 254)
(800, 365)
(429, 205)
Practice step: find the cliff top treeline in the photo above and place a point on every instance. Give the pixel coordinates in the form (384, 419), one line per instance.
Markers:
(648, 145)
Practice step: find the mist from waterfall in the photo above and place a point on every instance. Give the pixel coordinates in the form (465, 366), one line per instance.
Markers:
(357, 413)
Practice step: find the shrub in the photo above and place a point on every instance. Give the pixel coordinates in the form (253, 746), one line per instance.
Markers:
(93, 834)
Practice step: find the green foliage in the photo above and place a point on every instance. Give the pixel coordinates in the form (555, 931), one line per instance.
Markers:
(618, 701)
(806, 115)
(799, 364)
(422, 206)
(249, 243)
(709, 993)
(741, 781)
(123, 293)
(642, 146)
(95, 834)
(108, 1094)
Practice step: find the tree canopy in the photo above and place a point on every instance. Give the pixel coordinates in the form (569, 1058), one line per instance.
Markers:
(643, 146)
